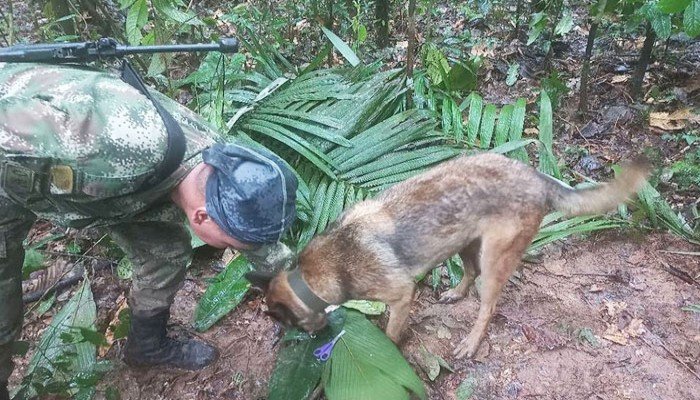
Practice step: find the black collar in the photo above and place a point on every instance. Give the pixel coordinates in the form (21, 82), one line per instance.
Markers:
(304, 292)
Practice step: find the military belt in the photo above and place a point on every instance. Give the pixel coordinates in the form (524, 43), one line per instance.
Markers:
(26, 178)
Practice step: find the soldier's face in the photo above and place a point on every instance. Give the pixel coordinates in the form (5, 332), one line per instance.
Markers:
(210, 233)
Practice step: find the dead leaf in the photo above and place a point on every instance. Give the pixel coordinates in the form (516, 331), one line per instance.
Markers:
(614, 307)
(618, 338)
(670, 122)
(109, 334)
(430, 363)
(635, 328)
(481, 51)
(613, 334)
(531, 131)
(443, 333)
(619, 78)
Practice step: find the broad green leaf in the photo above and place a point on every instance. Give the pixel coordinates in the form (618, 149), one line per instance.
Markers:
(170, 9)
(342, 47)
(366, 307)
(447, 115)
(513, 71)
(64, 359)
(455, 271)
(503, 125)
(136, 19)
(673, 6)
(462, 76)
(223, 294)
(660, 22)
(33, 261)
(436, 64)
(488, 122)
(457, 123)
(548, 162)
(512, 146)
(694, 308)
(125, 269)
(475, 106)
(466, 389)
(46, 305)
(297, 372)
(517, 123)
(366, 365)
(537, 26)
(691, 19)
(566, 23)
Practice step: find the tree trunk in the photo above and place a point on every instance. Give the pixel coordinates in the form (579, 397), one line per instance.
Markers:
(381, 11)
(586, 68)
(644, 59)
(410, 53)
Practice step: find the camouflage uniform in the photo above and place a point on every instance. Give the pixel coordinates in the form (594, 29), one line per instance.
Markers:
(74, 145)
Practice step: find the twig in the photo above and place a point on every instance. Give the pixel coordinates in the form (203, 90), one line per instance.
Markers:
(675, 357)
(685, 253)
(678, 273)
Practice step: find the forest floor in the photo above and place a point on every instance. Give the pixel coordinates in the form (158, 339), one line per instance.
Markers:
(595, 317)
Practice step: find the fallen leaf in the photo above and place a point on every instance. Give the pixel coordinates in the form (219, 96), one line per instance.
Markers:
(531, 131)
(466, 389)
(617, 337)
(635, 328)
(619, 78)
(670, 122)
(595, 288)
(614, 307)
(443, 333)
(430, 363)
(109, 334)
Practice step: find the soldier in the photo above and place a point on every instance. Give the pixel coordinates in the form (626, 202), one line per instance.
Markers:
(80, 147)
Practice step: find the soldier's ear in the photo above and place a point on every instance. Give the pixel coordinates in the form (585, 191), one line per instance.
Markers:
(260, 280)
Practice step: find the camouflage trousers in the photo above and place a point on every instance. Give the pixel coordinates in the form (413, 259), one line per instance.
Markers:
(159, 252)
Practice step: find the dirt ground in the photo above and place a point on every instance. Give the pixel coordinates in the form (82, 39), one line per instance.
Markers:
(614, 286)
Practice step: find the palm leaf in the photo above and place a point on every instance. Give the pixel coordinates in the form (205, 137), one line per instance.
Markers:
(517, 123)
(475, 106)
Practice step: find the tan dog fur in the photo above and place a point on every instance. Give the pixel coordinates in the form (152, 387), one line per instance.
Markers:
(486, 208)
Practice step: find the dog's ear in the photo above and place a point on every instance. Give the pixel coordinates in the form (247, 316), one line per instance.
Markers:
(260, 280)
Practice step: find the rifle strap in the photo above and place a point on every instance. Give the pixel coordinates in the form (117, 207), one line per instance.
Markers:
(176, 146)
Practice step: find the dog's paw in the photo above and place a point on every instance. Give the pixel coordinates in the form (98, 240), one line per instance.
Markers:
(465, 348)
(450, 296)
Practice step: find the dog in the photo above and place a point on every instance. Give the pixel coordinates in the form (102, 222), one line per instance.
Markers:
(487, 208)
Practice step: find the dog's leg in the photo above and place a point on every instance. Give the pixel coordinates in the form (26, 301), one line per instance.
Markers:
(470, 262)
(499, 257)
(399, 310)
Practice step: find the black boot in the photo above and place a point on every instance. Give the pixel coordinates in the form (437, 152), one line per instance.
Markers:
(148, 345)
(4, 395)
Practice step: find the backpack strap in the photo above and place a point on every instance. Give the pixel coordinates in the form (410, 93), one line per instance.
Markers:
(176, 146)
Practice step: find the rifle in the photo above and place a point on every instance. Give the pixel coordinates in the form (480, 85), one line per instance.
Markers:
(101, 49)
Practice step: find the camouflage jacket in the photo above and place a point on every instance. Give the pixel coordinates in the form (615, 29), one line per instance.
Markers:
(106, 134)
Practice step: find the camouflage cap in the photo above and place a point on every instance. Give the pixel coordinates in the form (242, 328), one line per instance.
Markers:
(251, 193)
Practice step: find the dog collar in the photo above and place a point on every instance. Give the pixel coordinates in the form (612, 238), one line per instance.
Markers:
(304, 292)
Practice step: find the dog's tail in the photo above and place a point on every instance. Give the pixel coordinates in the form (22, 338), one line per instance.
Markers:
(601, 198)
